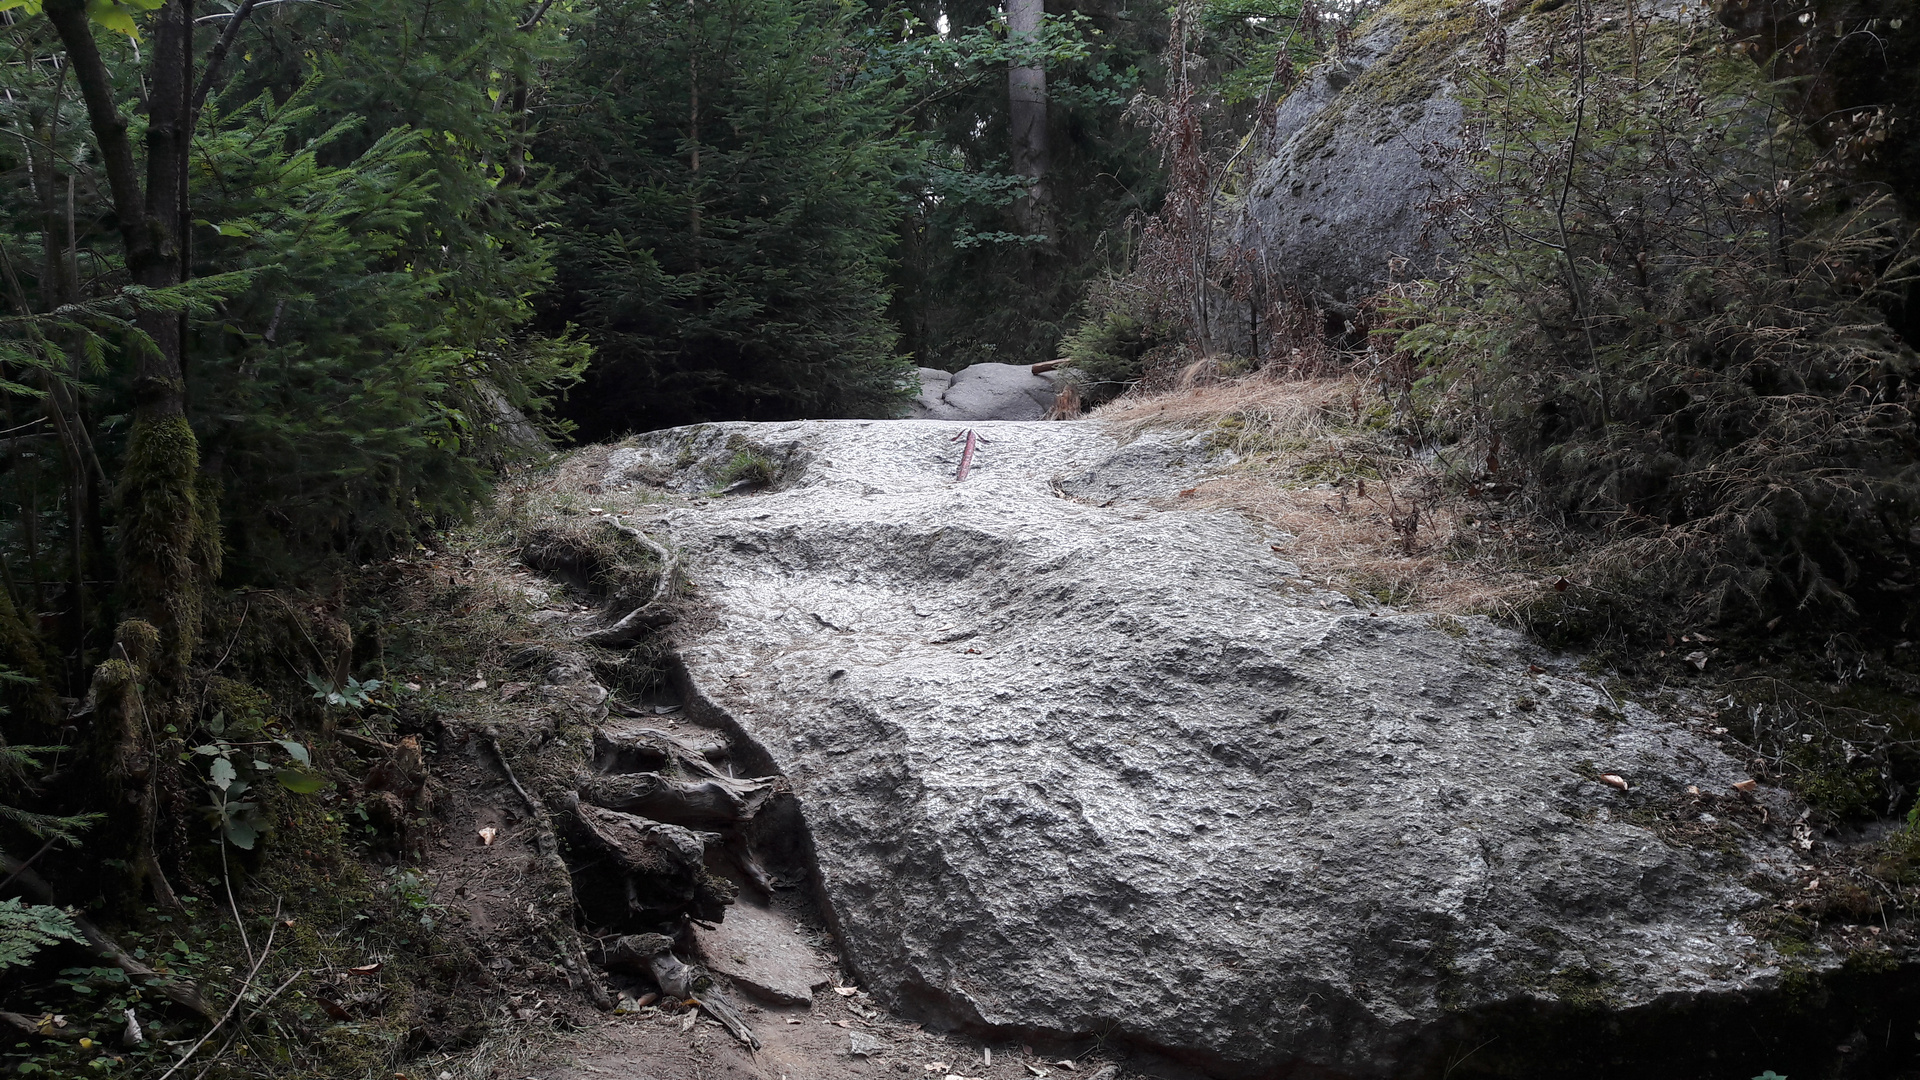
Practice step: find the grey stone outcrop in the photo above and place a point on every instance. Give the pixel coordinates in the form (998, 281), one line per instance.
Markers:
(1074, 761)
(984, 392)
(1341, 202)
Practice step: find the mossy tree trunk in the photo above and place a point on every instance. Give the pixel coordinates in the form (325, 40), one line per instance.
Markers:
(159, 491)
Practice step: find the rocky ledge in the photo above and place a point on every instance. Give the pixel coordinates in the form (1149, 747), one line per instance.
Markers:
(1075, 761)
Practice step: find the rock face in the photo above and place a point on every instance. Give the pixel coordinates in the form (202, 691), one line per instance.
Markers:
(1343, 195)
(984, 392)
(1074, 761)
(1340, 207)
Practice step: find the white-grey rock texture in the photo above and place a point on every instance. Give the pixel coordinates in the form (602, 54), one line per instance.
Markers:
(984, 392)
(1076, 761)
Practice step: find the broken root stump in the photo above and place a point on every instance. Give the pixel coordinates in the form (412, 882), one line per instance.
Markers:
(653, 954)
(647, 871)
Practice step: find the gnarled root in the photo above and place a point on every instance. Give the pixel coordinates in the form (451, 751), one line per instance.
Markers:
(714, 802)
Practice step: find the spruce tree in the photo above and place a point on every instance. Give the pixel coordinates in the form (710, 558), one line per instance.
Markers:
(727, 220)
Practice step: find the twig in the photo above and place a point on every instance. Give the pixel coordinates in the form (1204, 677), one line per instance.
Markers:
(242, 1025)
(238, 998)
(492, 741)
(238, 922)
(29, 862)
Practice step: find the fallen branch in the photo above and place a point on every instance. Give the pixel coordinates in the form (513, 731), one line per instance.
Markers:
(548, 846)
(238, 999)
(44, 1029)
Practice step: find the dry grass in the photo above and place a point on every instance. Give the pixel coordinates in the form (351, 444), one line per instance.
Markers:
(1324, 460)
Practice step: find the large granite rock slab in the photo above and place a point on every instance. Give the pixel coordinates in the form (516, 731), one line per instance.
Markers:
(1101, 766)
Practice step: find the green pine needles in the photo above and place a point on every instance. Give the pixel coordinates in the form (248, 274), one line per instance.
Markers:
(727, 221)
(1669, 315)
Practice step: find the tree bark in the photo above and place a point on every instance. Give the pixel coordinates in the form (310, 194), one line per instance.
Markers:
(159, 484)
(1027, 113)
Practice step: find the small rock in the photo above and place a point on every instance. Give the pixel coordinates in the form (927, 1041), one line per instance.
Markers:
(861, 1044)
(761, 950)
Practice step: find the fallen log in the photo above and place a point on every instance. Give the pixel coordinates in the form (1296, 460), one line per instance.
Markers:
(174, 990)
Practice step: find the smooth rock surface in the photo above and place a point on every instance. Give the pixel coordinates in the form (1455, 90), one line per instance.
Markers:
(984, 392)
(1073, 767)
(761, 950)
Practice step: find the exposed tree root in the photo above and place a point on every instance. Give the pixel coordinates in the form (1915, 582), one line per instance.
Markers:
(651, 616)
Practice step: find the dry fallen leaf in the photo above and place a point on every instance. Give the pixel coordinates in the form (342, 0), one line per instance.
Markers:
(1612, 780)
(1693, 790)
(487, 834)
(1698, 659)
(364, 969)
(846, 991)
(1037, 1070)
(1746, 785)
(478, 684)
(687, 1024)
(646, 999)
(1065, 1064)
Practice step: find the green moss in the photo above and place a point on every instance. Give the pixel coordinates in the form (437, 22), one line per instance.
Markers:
(245, 709)
(159, 526)
(31, 704)
(1584, 989)
(1433, 35)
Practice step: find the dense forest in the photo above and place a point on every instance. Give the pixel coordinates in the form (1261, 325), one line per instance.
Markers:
(293, 285)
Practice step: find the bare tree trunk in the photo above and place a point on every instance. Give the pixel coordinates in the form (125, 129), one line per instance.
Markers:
(1027, 111)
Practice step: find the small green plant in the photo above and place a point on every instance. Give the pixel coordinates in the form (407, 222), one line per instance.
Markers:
(353, 694)
(747, 468)
(1110, 350)
(236, 820)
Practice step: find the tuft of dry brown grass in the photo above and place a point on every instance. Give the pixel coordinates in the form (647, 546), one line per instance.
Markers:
(1325, 461)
